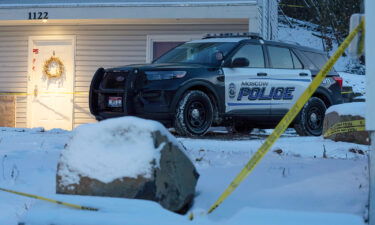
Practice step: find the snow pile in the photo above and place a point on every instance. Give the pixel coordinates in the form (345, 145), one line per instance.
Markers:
(298, 186)
(112, 149)
(353, 109)
(302, 33)
(356, 81)
(32, 130)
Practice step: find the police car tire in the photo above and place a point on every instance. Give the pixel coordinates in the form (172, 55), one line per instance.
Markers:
(181, 123)
(301, 124)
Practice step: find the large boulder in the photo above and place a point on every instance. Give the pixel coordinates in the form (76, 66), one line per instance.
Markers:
(130, 158)
(345, 113)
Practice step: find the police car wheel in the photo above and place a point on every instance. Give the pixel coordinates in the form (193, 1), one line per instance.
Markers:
(194, 114)
(309, 121)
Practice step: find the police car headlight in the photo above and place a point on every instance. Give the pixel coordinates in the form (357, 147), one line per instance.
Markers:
(164, 75)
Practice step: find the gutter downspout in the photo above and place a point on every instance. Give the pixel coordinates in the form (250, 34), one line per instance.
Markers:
(370, 99)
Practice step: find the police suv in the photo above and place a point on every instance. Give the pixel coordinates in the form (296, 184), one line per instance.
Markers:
(234, 80)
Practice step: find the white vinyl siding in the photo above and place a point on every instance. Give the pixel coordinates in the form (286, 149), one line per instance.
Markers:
(269, 16)
(97, 46)
(273, 25)
(13, 70)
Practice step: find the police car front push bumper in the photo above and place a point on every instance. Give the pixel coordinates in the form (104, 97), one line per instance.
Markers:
(129, 100)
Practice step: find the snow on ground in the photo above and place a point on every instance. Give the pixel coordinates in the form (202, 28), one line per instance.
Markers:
(357, 82)
(353, 108)
(301, 33)
(303, 180)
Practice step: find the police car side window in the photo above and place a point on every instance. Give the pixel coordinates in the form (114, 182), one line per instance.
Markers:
(318, 59)
(281, 58)
(254, 53)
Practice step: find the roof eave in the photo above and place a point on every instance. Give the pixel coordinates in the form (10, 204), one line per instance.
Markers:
(130, 4)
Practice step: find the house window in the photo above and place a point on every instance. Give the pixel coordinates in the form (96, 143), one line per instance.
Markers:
(161, 47)
(157, 45)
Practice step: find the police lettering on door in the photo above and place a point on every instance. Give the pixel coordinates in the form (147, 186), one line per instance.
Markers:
(259, 91)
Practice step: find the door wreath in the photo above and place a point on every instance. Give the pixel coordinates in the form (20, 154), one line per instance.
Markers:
(53, 67)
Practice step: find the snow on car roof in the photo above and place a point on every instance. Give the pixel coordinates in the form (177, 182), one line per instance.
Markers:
(218, 40)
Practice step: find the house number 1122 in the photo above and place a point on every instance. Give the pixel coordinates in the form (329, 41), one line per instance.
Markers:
(38, 15)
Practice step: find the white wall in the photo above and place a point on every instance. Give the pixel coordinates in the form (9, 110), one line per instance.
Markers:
(268, 12)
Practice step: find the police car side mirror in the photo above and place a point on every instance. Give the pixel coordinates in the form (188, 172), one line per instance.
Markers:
(240, 62)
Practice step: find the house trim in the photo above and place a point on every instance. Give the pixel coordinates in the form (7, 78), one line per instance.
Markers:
(131, 12)
(131, 4)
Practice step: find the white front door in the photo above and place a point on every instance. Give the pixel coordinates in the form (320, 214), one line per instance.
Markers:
(50, 82)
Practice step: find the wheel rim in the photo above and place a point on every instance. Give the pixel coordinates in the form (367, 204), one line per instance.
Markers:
(315, 119)
(196, 116)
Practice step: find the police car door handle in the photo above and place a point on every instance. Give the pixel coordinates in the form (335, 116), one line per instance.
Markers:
(303, 74)
(262, 74)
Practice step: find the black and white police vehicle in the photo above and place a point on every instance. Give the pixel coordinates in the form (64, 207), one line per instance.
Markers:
(234, 80)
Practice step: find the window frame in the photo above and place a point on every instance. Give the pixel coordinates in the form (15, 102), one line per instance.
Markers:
(238, 48)
(166, 38)
(298, 58)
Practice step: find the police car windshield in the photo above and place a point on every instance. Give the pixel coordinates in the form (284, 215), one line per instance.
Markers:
(198, 52)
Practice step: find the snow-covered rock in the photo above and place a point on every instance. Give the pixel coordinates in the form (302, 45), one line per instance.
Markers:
(353, 109)
(345, 113)
(131, 158)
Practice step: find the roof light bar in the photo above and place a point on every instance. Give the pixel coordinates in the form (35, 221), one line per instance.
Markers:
(251, 35)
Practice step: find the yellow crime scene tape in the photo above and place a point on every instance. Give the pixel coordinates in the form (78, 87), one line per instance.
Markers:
(14, 93)
(346, 127)
(50, 200)
(287, 119)
(50, 92)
